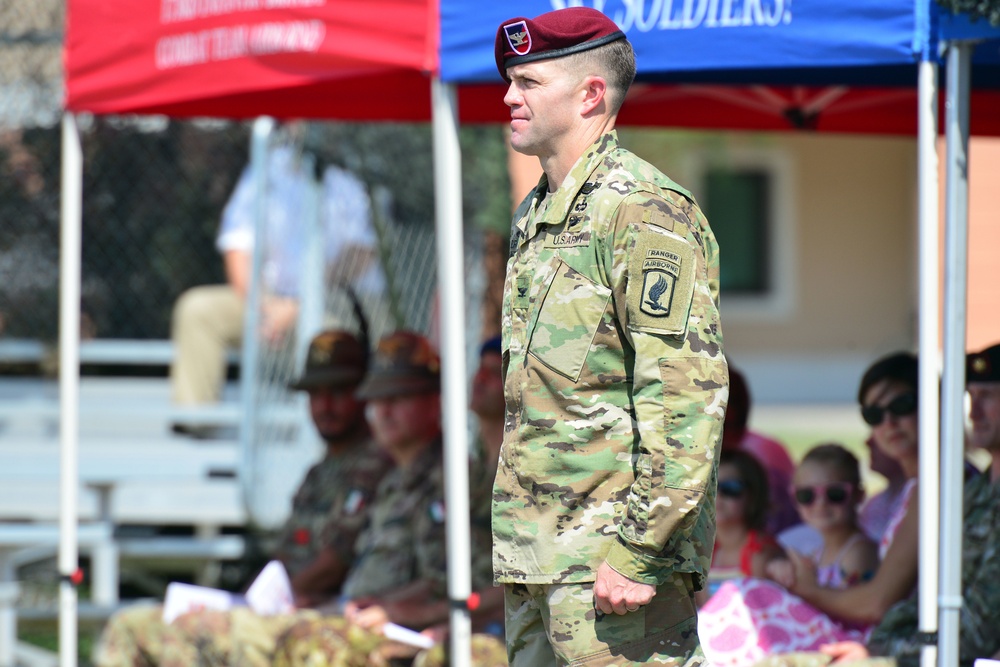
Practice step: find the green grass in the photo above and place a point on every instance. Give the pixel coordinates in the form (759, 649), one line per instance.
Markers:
(45, 634)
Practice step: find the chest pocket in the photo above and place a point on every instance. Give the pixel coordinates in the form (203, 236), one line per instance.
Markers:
(568, 321)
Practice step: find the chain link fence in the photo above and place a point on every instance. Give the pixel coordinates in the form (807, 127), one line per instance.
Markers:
(154, 192)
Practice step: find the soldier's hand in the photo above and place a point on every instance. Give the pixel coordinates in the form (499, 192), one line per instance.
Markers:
(614, 593)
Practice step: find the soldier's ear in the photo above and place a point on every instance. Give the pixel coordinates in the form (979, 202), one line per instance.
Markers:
(594, 88)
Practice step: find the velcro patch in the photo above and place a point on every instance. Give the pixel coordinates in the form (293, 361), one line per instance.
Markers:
(661, 283)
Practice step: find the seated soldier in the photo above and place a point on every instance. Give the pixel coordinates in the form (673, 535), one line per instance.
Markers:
(327, 510)
(400, 572)
(895, 640)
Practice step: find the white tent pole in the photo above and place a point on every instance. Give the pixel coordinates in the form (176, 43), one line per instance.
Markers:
(929, 353)
(260, 138)
(450, 251)
(953, 377)
(70, 260)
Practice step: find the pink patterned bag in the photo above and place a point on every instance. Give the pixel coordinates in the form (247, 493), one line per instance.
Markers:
(748, 619)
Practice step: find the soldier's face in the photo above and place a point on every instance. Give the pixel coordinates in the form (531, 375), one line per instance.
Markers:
(335, 412)
(401, 421)
(543, 99)
(984, 413)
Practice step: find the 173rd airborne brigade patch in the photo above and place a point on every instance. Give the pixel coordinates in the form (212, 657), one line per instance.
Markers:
(660, 283)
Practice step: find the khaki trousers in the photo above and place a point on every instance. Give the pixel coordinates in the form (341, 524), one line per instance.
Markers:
(207, 321)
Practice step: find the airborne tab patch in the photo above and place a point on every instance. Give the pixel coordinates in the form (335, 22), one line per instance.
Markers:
(661, 283)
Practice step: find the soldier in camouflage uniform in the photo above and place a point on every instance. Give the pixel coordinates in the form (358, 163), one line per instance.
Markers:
(894, 640)
(616, 383)
(399, 572)
(328, 511)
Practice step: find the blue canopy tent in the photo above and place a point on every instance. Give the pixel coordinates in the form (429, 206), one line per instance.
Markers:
(855, 66)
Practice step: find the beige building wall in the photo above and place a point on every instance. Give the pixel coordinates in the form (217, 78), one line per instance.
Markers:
(984, 243)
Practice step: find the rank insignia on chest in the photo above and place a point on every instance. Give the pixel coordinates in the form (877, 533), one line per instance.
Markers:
(522, 292)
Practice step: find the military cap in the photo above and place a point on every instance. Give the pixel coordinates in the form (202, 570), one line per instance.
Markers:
(983, 366)
(336, 360)
(404, 363)
(552, 35)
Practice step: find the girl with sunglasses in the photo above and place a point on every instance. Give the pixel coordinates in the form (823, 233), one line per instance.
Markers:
(827, 490)
(742, 546)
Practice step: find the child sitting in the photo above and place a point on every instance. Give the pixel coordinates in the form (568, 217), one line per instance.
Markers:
(750, 618)
(827, 490)
(742, 547)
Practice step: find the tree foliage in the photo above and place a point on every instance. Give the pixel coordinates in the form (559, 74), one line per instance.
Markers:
(977, 9)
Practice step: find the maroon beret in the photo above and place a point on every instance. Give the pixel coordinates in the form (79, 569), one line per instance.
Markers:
(552, 35)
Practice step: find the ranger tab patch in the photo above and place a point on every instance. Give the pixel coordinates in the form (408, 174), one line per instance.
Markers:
(661, 283)
(660, 271)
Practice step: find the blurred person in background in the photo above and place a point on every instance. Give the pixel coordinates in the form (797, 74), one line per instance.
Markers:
(208, 320)
(329, 510)
(771, 454)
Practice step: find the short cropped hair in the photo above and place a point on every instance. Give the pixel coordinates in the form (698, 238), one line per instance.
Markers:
(614, 61)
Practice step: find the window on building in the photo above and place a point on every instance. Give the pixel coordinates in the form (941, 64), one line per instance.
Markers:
(747, 196)
(737, 203)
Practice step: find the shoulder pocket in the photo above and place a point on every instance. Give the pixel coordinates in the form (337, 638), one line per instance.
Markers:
(568, 321)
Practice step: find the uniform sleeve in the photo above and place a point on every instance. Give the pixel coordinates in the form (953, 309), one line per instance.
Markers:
(431, 544)
(664, 269)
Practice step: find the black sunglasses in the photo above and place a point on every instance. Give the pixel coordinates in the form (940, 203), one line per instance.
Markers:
(902, 405)
(732, 488)
(836, 493)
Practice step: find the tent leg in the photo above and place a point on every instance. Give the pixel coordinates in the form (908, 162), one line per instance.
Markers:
(929, 352)
(953, 377)
(450, 249)
(70, 260)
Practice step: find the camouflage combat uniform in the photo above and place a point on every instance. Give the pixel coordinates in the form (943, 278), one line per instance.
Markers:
(616, 386)
(895, 635)
(330, 507)
(404, 543)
